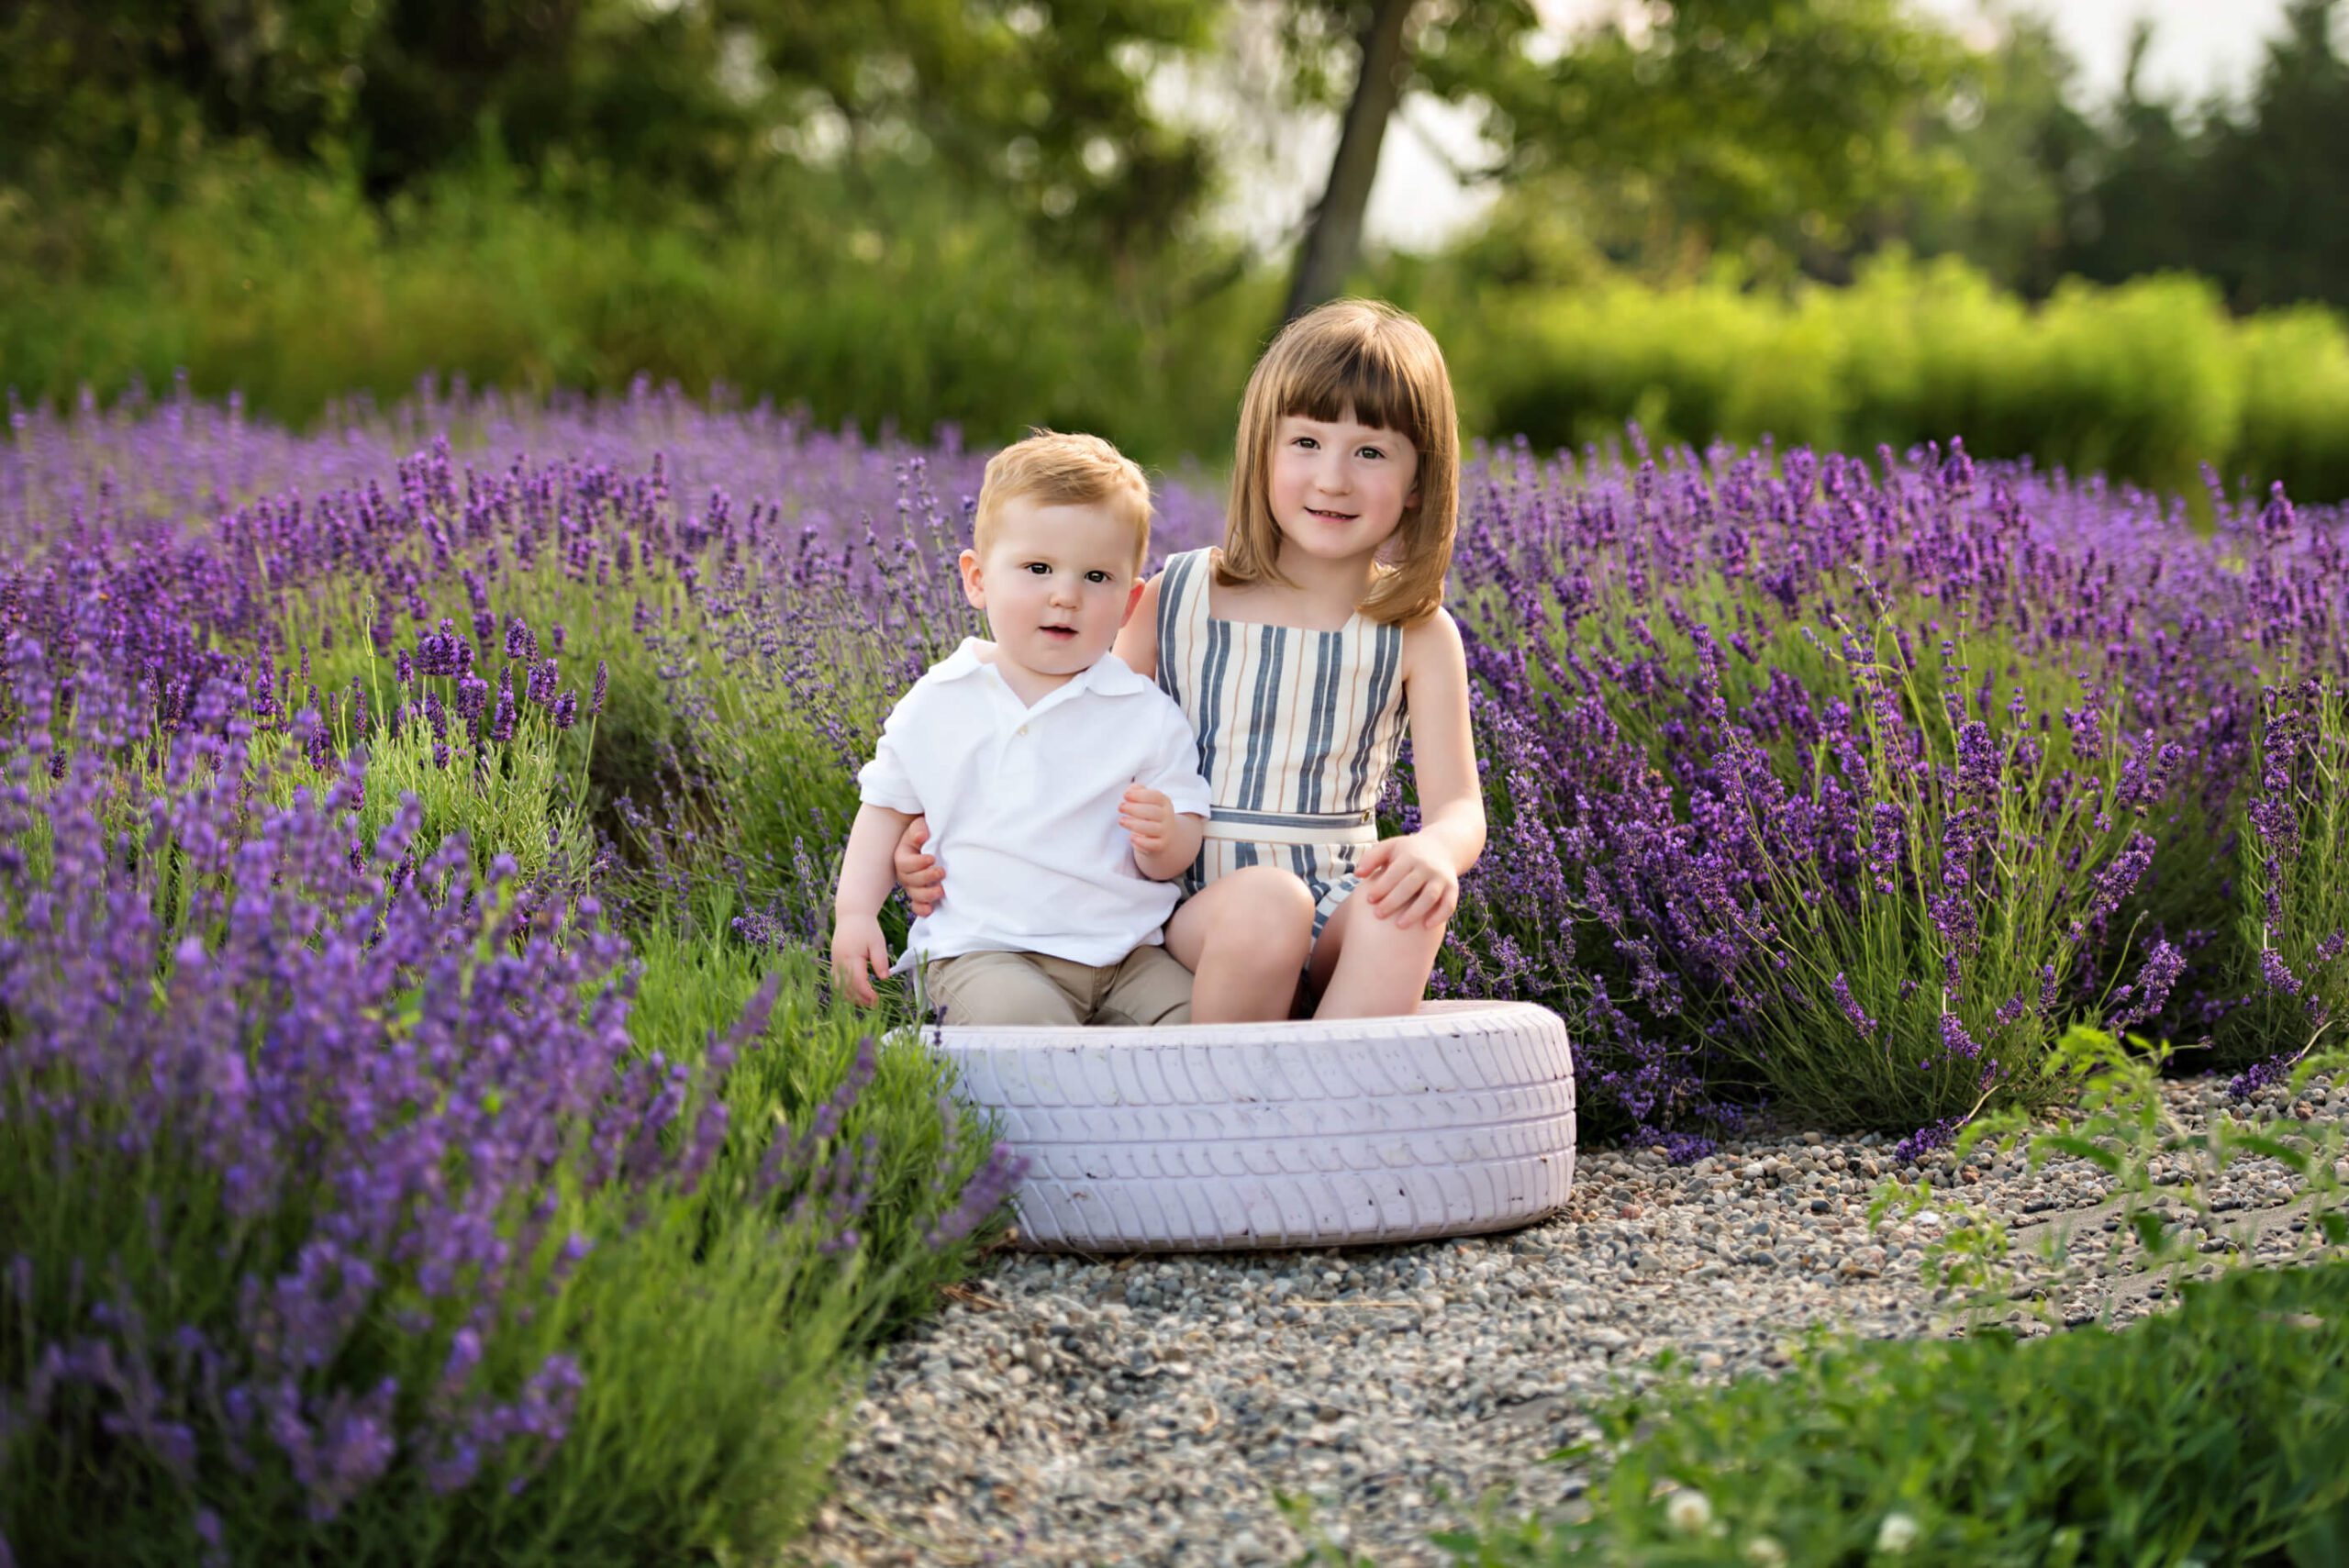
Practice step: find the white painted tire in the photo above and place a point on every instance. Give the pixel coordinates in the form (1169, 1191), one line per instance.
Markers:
(1457, 1119)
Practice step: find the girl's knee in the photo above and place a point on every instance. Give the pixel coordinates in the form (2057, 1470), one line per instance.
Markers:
(1274, 917)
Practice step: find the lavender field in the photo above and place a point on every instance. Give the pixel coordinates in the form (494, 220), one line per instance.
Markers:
(425, 1132)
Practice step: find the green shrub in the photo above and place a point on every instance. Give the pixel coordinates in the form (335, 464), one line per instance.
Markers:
(2218, 1433)
(906, 307)
(909, 307)
(2143, 381)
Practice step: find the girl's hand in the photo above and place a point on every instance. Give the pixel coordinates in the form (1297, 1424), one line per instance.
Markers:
(921, 876)
(1147, 817)
(858, 947)
(1408, 881)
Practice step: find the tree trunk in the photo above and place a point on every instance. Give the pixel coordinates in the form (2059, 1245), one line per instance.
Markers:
(1334, 241)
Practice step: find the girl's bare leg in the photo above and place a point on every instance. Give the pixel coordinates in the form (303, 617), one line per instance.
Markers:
(1365, 968)
(1244, 936)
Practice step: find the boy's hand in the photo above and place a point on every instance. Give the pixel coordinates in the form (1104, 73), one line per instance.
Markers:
(1408, 881)
(921, 876)
(858, 947)
(1147, 817)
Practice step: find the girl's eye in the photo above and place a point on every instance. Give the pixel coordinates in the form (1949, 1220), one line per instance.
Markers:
(1368, 452)
(1307, 442)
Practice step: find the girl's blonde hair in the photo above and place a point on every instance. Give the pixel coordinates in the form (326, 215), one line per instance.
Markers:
(1365, 356)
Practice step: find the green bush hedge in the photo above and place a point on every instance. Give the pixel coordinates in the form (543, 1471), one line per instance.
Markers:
(2145, 381)
(918, 306)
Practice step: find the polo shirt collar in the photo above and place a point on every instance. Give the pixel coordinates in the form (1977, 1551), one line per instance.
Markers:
(1107, 676)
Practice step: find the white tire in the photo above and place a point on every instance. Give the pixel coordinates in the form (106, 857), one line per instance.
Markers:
(1457, 1119)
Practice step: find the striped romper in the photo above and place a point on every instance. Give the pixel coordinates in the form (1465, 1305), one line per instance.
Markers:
(1296, 731)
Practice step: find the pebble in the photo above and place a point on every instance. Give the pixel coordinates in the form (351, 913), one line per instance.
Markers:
(1148, 1410)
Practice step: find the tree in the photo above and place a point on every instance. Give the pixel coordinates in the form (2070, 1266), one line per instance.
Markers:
(1333, 240)
(1763, 129)
(2257, 197)
(2276, 184)
(2026, 152)
(1043, 103)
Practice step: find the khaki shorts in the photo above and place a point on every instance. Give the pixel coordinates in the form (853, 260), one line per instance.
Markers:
(1147, 986)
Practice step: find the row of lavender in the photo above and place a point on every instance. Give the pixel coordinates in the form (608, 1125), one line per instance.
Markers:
(1853, 779)
(367, 1191)
(346, 1119)
(1853, 784)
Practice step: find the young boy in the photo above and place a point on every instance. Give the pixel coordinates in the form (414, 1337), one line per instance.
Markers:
(1063, 788)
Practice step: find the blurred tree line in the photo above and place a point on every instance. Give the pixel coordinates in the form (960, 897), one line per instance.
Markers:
(990, 212)
(1772, 137)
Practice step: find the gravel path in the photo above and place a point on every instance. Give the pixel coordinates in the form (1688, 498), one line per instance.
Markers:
(1149, 1410)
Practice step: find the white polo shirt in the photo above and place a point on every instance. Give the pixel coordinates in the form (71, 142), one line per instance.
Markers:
(1022, 804)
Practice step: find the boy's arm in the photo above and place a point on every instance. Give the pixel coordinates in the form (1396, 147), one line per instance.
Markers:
(865, 880)
(1165, 810)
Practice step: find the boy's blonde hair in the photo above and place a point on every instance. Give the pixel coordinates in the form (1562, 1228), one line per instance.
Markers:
(1365, 356)
(1060, 470)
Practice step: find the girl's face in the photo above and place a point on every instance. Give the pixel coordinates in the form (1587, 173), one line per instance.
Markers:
(1338, 489)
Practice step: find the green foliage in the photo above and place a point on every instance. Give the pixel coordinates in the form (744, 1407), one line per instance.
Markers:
(2215, 1433)
(1043, 100)
(509, 800)
(2162, 1172)
(2250, 197)
(1761, 131)
(907, 1148)
(2141, 381)
(905, 304)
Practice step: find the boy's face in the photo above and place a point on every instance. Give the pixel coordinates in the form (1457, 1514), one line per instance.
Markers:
(1056, 582)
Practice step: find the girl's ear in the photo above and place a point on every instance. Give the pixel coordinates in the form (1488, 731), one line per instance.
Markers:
(974, 584)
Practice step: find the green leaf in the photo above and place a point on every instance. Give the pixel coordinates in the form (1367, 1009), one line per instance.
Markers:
(2106, 1159)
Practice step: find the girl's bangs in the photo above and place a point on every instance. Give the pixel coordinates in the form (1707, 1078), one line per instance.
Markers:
(1360, 373)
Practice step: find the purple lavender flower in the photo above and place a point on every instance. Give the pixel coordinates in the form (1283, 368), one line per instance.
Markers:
(1851, 1007)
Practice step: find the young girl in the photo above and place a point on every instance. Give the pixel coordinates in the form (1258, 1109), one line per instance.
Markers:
(1296, 651)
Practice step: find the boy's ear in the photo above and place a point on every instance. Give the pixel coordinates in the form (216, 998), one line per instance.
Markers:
(973, 586)
(1133, 597)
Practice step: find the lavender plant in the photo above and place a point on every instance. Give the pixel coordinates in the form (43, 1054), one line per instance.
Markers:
(338, 1179)
(2293, 927)
(1818, 778)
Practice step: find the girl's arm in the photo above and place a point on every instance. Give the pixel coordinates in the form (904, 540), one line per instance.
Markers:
(1443, 752)
(1415, 880)
(1136, 641)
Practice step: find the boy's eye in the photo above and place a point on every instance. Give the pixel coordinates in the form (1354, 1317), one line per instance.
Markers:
(1039, 568)
(1097, 577)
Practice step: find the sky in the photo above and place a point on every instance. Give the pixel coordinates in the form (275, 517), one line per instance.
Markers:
(2200, 47)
